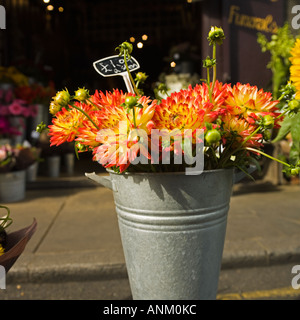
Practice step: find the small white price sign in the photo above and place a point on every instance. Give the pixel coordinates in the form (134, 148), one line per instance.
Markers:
(115, 66)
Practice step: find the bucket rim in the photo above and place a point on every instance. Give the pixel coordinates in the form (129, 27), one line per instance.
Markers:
(110, 171)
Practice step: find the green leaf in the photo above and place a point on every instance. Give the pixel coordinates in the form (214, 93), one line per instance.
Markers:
(284, 129)
(295, 153)
(76, 151)
(295, 128)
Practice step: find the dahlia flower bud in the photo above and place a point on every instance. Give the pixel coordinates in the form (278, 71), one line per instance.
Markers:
(131, 102)
(212, 136)
(294, 105)
(54, 107)
(288, 91)
(41, 127)
(125, 47)
(216, 35)
(268, 121)
(80, 147)
(141, 77)
(162, 88)
(294, 169)
(62, 98)
(209, 63)
(81, 94)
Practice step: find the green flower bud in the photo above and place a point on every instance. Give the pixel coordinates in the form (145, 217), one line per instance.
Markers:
(295, 171)
(62, 98)
(294, 105)
(141, 77)
(209, 63)
(80, 147)
(125, 47)
(288, 91)
(81, 94)
(216, 35)
(41, 127)
(54, 107)
(162, 88)
(131, 101)
(268, 121)
(212, 136)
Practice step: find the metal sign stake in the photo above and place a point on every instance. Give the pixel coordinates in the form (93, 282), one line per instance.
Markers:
(128, 82)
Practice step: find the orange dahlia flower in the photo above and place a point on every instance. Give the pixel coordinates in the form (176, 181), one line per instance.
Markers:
(65, 126)
(239, 131)
(122, 139)
(249, 103)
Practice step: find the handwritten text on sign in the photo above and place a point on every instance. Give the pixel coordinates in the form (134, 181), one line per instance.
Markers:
(114, 65)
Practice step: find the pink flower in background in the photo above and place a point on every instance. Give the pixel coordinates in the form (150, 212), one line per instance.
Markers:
(16, 108)
(2, 154)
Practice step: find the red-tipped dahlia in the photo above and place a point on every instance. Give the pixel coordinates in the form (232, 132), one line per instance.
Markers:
(180, 111)
(66, 123)
(240, 130)
(250, 103)
(121, 142)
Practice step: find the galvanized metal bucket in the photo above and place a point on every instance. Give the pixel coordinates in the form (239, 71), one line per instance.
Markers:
(173, 229)
(12, 186)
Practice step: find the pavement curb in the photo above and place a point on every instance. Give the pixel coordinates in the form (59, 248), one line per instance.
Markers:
(33, 272)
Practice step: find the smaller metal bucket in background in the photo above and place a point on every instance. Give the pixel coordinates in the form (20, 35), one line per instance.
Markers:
(69, 162)
(12, 186)
(32, 171)
(53, 166)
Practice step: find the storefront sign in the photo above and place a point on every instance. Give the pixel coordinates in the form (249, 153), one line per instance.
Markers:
(238, 18)
(242, 21)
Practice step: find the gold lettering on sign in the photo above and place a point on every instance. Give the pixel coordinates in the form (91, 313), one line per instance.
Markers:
(266, 24)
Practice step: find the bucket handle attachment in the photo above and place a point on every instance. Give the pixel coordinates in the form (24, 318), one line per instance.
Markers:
(105, 181)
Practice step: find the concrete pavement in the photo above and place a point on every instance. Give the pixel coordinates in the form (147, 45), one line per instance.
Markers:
(77, 237)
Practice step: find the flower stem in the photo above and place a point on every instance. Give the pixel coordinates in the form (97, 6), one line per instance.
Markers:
(268, 156)
(214, 67)
(251, 135)
(208, 85)
(224, 156)
(92, 103)
(130, 76)
(213, 153)
(82, 111)
(133, 115)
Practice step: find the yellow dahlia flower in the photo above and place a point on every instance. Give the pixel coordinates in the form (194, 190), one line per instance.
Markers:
(1, 250)
(248, 102)
(295, 67)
